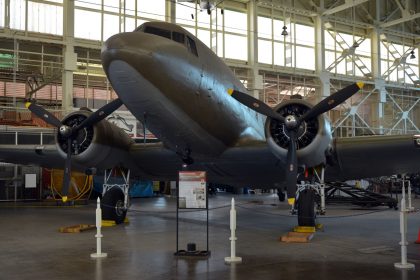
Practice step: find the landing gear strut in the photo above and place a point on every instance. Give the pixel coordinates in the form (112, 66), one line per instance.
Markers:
(115, 199)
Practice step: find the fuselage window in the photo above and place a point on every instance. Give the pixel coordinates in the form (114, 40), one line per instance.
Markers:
(178, 37)
(158, 31)
(191, 46)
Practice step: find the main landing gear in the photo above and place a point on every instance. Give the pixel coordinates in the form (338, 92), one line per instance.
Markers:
(307, 196)
(115, 199)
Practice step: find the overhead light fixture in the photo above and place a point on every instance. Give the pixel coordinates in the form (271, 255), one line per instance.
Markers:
(284, 32)
(412, 56)
(192, 16)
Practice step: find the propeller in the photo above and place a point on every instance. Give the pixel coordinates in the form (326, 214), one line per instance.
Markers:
(292, 123)
(70, 133)
(255, 104)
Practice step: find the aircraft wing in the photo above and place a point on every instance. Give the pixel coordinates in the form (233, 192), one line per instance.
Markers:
(250, 163)
(42, 155)
(374, 156)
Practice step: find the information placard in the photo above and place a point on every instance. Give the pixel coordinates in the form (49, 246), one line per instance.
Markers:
(192, 190)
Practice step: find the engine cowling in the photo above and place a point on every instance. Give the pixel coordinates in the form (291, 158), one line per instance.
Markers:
(314, 136)
(103, 145)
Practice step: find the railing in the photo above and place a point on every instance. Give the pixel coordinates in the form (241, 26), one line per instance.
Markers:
(13, 135)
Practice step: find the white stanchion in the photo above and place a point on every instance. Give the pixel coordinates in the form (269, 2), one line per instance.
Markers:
(403, 229)
(233, 258)
(410, 207)
(98, 235)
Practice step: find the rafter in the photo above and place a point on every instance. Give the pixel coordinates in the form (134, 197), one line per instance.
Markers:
(400, 20)
(347, 4)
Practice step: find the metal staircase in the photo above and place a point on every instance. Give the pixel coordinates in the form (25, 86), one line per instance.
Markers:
(399, 63)
(348, 53)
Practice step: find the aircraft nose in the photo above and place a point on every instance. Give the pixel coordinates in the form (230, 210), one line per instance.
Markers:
(122, 41)
(128, 47)
(115, 42)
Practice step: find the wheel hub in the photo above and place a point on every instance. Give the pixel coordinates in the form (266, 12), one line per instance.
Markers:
(119, 208)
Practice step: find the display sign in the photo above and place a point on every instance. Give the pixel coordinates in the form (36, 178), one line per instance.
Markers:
(30, 181)
(192, 193)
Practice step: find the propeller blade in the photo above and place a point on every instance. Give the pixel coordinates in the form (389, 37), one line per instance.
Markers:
(67, 172)
(255, 104)
(332, 101)
(100, 114)
(43, 114)
(291, 168)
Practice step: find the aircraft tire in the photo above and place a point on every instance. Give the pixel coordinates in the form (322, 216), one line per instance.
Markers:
(306, 208)
(111, 204)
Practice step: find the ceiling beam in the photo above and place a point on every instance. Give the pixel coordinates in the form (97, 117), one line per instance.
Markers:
(346, 5)
(400, 20)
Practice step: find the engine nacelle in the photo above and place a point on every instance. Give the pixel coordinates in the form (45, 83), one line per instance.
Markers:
(314, 136)
(103, 145)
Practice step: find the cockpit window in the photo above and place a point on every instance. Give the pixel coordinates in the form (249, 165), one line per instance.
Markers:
(191, 46)
(158, 31)
(171, 35)
(178, 37)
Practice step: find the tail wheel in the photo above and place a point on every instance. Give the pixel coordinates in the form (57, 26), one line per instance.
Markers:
(112, 205)
(306, 208)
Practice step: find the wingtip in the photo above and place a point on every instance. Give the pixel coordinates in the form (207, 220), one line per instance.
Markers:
(27, 104)
(360, 84)
(230, 91)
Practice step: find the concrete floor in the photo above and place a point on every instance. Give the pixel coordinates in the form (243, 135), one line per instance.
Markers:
(355, 243)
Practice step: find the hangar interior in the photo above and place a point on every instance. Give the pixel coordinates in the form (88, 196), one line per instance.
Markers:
(277, 48)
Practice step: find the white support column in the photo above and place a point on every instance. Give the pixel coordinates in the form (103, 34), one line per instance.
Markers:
(170, 11)
(253, 45)
(319, 45)
(7, 14)
(69, 56)
(380, 86)
(378, 114)
(324, 75)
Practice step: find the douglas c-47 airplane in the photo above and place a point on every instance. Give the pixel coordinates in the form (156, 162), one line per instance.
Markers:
(200, 111)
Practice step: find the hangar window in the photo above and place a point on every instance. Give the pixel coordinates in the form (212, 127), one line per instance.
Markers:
(158, 31)
(191, 46)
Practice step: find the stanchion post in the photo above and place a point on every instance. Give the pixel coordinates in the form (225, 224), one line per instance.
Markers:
(403, 229)
(98, 235)
(233, 258)
(410, 207)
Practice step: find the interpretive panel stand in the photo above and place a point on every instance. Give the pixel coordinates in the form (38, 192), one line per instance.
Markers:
(192, 194)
